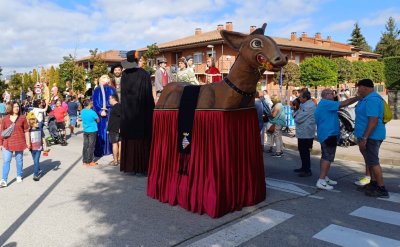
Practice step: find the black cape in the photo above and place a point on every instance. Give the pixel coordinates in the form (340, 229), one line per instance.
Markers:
(137, 104)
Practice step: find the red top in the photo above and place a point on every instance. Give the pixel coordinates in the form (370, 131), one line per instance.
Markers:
(16, 142)
(164, 77)
(214, 70)
(59, 112)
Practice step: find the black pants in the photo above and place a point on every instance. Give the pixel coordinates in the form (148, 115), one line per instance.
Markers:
(89, 143)
(304, 146)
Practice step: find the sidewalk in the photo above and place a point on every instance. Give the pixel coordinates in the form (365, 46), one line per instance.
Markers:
(389, 153)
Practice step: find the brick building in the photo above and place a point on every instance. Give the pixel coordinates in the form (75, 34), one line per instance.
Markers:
(298, 47)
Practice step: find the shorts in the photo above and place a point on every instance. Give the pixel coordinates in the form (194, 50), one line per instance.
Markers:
(60, 125)
(328, 152)
(72, 120)
(371, 152)
(114, 137)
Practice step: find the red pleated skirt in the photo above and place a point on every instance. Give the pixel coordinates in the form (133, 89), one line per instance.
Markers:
(225, 166)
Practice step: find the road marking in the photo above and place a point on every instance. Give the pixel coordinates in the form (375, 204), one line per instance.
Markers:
(303, 185)
(377, 214)
(348, 237)
(394, 197)
(288, 187)
(244, 230)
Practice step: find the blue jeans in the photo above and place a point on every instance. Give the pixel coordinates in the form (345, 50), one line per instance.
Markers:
(36, 162)
(7, 156)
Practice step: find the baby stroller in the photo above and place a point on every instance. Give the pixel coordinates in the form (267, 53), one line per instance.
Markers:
(55, 134)
(346, 121)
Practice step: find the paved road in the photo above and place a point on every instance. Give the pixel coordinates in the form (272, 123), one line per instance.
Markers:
(73, 205)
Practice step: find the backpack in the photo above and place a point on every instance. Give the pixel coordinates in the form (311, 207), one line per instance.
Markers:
(387, 113)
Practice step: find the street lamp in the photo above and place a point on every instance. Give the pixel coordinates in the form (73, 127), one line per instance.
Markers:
(212, 50)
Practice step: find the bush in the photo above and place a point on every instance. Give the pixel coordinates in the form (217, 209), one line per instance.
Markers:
(362, 70)
(392, 72)
(318, 71)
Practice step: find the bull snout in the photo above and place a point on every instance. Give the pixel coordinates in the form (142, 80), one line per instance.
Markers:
(279, 61)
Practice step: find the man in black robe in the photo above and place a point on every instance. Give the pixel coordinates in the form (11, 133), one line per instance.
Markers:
(137, 105)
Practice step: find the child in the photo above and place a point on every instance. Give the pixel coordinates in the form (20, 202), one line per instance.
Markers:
(89, 122)
(36, 138)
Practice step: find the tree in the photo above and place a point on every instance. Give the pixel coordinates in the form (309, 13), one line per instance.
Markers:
(318, 71)
(362, 70)
(392, 72)
(389, 44)
(69, 71)
(34, 76)
(290, 75)
(150, 54)
(377, 71)
(27, 82)
(344, 71)
(357, 39)
(98, 66)
(15, 85)
(3, 85)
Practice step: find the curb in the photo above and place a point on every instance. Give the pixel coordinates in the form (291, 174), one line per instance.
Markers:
(356, 158)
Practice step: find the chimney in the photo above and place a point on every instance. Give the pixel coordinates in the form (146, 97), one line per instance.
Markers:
(318, 35)
(252, 28)
(229, 26)
(220, 27)
(197, 31)
(293, 36)
(304, 34)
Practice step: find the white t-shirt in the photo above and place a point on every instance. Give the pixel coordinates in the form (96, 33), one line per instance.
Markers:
(39, 112)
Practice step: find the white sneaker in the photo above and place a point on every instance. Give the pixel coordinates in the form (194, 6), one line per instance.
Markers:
(323, 185)
(19, 179)
(330, 181)
(363, 181)
(3, 183)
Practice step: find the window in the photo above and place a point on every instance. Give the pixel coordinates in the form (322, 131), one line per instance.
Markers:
(297, 59)
(198, 58)
(214, 55)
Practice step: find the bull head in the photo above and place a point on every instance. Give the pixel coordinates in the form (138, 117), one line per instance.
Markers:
(259, 51)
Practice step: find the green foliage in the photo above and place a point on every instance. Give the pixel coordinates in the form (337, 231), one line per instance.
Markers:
(99, 66)
(344, 71)
(3, 85)
(392, 72)
(389, 44)
(362, 70)
(74, 73)
(152, 51)
(290, 75)
(377, 70)
(15, 85)
(357, 39)
(318, 71)
(27, 82)
(34, 76)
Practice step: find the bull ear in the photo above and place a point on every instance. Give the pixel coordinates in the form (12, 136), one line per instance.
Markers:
(233, 39)
(260, 30)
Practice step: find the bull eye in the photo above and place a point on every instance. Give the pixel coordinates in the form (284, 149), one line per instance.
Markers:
(256, 43)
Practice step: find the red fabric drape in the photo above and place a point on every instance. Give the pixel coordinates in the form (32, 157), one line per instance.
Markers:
(225, 166)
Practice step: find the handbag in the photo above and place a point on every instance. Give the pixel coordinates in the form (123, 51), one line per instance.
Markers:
(270, 128)
(7, 132)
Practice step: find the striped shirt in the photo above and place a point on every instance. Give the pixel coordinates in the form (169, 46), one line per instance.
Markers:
(16, 142)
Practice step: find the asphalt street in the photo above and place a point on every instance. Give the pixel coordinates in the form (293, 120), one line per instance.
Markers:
(75, 205)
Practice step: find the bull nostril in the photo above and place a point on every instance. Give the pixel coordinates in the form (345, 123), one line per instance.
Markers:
(277, 59)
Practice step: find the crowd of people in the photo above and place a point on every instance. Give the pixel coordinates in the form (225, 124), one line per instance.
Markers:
(321, 119)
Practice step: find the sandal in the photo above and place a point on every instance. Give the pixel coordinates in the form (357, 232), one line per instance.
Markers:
(113, 163)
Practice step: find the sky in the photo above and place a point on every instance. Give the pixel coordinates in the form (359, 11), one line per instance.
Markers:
(39, 33)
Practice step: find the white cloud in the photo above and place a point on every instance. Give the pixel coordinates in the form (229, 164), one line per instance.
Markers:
(380, 18)
(340, 26)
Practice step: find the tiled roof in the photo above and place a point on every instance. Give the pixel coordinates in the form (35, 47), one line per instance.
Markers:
(370, 54)
(109, 56)
(216, 36)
